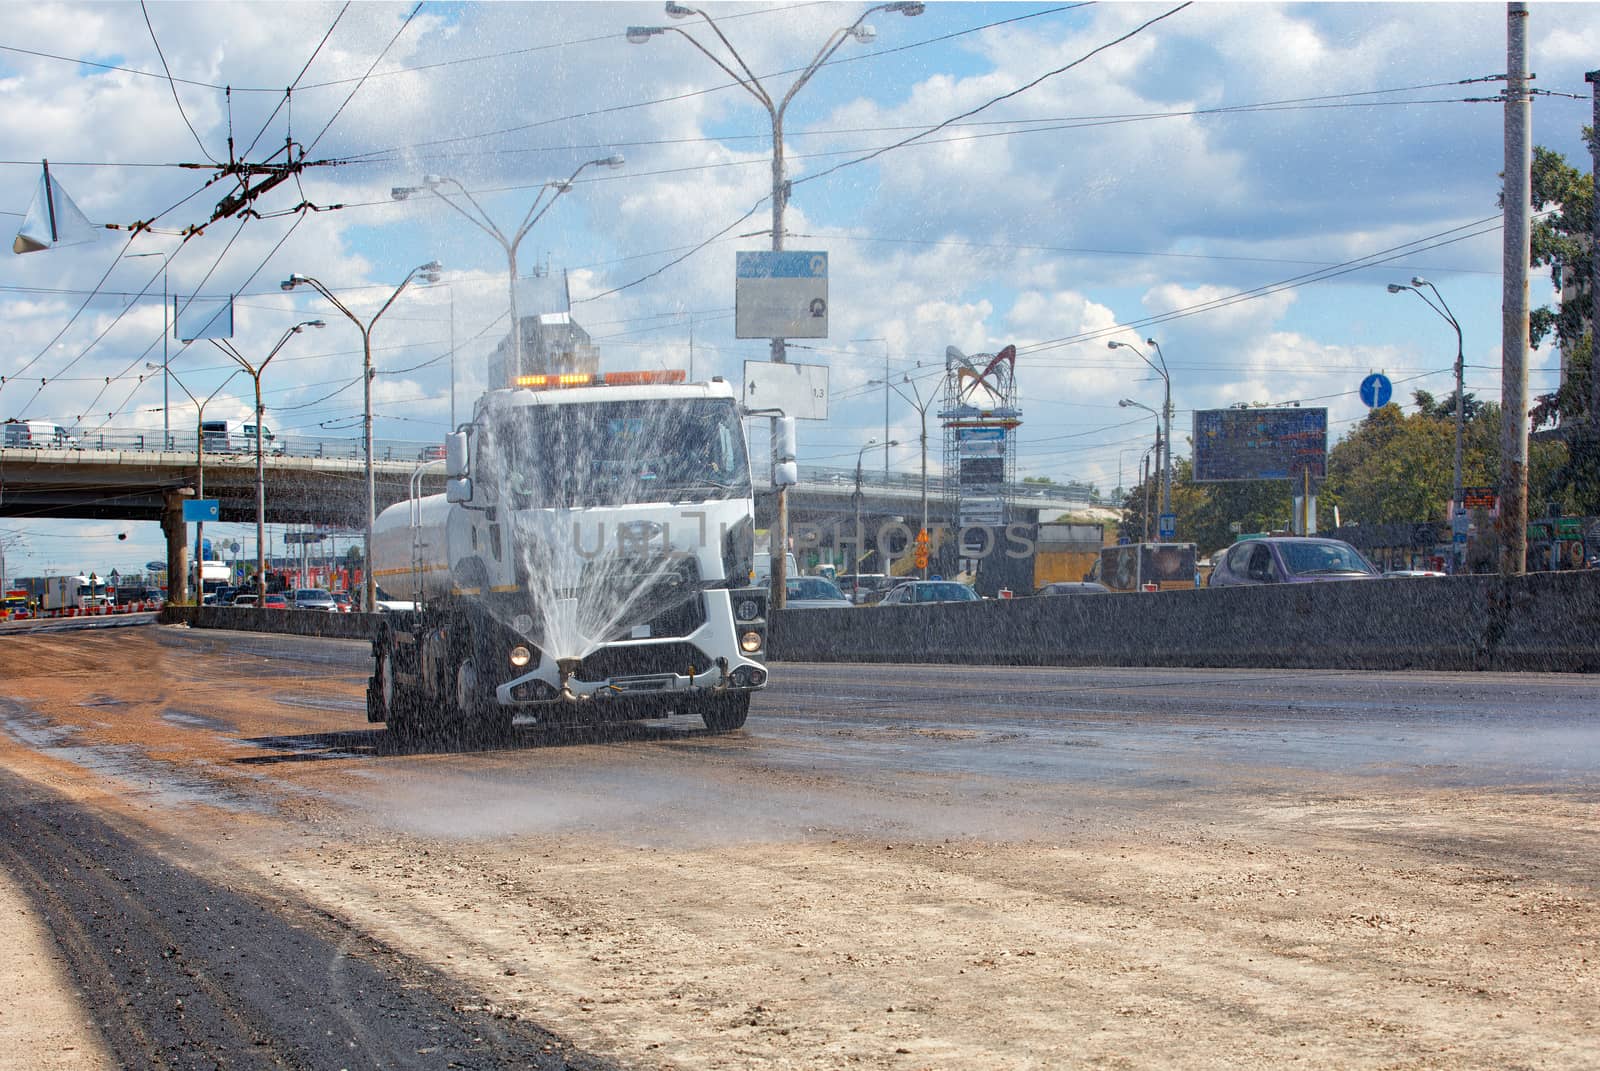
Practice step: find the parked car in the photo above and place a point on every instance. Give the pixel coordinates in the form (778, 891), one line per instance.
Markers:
(1290, 560)
(866, 588)
(813, 593)
(1074, 587)
(923, 591)
(248, 599)
(343, 599)
(312, 599)
(274, 602)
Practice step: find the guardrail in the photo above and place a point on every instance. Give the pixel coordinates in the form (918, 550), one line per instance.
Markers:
(138, 442)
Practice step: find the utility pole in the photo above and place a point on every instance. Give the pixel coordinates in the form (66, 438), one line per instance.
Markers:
(1513, 521)
(1593, 78)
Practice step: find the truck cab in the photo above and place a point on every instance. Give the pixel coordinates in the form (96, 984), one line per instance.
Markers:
(590, 560)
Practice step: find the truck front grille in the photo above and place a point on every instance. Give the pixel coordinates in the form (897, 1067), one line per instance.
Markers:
(646, 659)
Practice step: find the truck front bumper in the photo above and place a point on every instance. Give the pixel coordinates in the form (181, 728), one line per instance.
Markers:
(720, 656)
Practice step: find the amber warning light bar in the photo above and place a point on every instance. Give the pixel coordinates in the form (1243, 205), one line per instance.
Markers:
(557, 380)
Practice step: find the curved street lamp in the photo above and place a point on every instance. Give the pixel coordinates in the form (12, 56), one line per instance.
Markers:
(922, 412)
(1444, 312)
(855, 570)
(747, 80)
(254, 372)
(1165, 416)
(429, 272)
(509, 243)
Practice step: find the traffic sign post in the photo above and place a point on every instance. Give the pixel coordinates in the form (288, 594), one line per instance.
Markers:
(1376, 390)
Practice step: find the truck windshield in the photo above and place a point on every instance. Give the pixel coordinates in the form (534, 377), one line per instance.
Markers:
(611, 453)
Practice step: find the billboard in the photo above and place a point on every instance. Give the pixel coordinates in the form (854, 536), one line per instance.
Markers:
(1260, 444)
(781, 295)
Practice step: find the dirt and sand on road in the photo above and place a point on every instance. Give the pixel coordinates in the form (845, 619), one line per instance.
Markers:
(1272, 919)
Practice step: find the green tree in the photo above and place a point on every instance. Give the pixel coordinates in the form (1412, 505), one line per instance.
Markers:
(1206, 512)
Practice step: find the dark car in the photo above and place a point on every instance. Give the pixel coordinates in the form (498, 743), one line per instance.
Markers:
(1074, 587)
(1290, 560)
(924, 591)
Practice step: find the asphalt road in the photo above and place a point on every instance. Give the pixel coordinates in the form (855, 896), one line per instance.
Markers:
(190, 963)
(905, 747)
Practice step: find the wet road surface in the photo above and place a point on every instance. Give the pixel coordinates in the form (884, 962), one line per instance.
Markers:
(202, 953)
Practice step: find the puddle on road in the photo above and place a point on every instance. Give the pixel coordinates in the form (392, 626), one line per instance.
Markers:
(146, 778)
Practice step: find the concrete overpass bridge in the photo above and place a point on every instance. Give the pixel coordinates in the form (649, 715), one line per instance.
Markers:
(136, 477)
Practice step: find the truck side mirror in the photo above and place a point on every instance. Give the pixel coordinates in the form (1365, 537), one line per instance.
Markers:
(455, 457)
(785, 474)
(458, 489)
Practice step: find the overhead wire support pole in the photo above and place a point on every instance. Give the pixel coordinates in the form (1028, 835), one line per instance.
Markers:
(1513, 520)
(1593, 78)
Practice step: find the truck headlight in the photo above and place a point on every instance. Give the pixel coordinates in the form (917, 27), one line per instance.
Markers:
(520, 656)
(750, 642)
(747, 610)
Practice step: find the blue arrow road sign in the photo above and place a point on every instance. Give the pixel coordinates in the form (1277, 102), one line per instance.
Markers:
(1376, 390)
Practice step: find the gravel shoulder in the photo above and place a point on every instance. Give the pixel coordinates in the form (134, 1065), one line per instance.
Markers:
(1334, 921)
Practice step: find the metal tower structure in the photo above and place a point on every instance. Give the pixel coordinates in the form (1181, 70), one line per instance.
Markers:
(980, 417)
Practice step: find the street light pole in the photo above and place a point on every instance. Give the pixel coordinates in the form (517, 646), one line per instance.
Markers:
(885, 383)
(1455, 482)
(429, 273)
(1165, 416)
(1126, 403)
(255, 372)
(200, 481)
(855, 568)
(747, 80)
(922, 412)
(508, 243)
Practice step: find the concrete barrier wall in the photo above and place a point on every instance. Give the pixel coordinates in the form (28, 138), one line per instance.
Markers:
(1543, 621)
(294, 622)
(1540, 622)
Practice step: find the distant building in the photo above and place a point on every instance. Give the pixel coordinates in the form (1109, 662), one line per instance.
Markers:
(551, 341)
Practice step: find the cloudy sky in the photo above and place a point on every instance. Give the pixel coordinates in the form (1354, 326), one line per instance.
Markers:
(1237, 181)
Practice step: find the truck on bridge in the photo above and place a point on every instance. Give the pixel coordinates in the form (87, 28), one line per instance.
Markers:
(590, 559)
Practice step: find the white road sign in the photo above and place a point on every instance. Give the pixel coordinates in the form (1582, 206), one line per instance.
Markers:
(781, 295)
(796, 390)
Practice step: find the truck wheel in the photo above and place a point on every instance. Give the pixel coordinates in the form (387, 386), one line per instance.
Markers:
(725, 713)
(473, 704)
(387, 699)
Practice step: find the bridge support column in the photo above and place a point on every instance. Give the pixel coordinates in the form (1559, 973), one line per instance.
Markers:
(177, 533)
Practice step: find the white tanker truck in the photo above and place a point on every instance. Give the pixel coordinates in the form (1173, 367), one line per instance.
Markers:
(589, 560)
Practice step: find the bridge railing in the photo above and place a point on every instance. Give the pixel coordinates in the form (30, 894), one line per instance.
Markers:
(239, 445)
(873, 481)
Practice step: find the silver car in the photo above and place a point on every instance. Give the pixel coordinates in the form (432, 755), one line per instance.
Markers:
(312, 599)
(813, 593)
